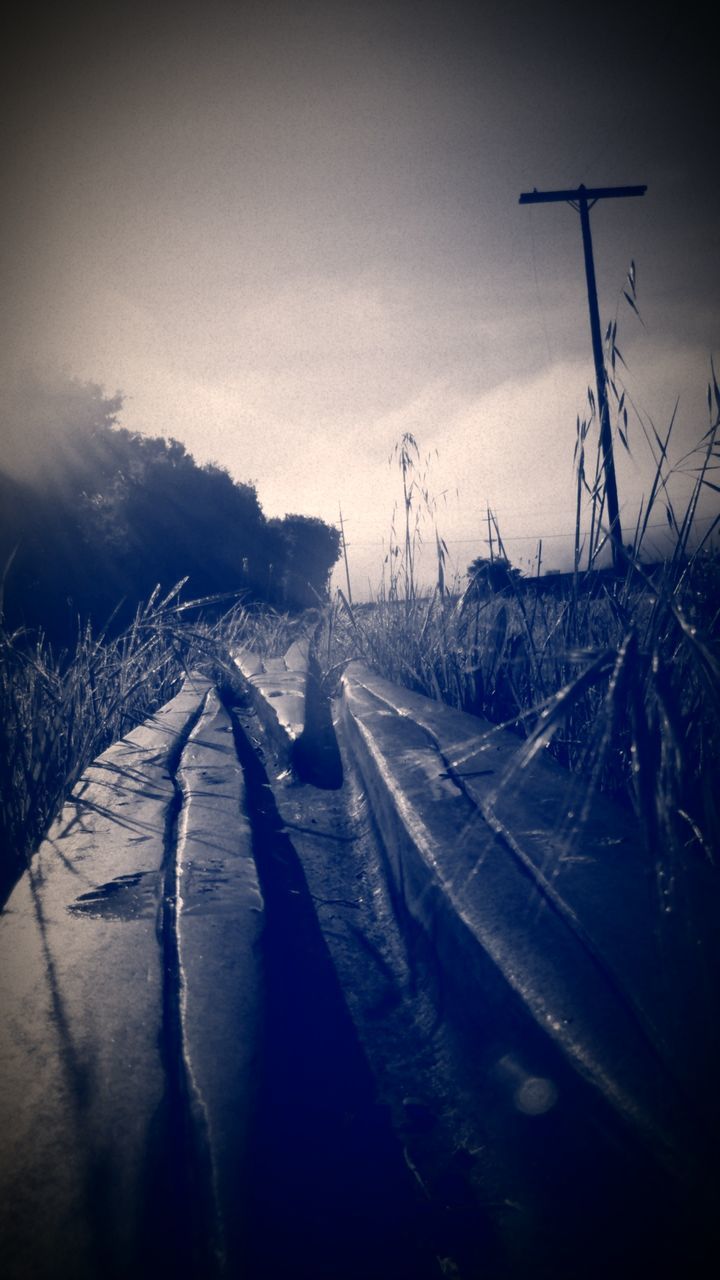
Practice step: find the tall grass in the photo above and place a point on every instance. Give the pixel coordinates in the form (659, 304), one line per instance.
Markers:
(58, 711)
(618, 676)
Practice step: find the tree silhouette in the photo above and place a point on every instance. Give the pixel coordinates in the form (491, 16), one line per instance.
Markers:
(487, 575)
(307, 549)
(96, 514)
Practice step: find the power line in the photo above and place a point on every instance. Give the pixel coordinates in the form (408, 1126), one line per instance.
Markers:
(499, 511)
(519, 537)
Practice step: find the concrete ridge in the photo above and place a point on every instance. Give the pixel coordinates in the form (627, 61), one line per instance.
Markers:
(585, 855)
(278, 687)
(107, 956)
(219, 924)
(458, 881)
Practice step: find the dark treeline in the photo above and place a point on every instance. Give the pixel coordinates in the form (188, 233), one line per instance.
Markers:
(103, 514)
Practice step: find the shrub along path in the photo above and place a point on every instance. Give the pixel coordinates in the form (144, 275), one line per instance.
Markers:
(287, 997)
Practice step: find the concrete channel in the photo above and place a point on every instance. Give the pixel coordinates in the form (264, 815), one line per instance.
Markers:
(310, 989)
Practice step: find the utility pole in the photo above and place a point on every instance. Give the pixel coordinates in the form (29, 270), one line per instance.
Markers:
(582, 200)
(344, 547)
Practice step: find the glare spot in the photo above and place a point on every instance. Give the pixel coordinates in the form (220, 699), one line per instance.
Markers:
(531, 1095)
(535, 1096)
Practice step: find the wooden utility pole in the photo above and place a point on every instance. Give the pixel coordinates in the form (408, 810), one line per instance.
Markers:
(582, 199)
(344, 547)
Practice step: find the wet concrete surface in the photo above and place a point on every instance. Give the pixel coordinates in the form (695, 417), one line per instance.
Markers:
(525, 1169)
(331, 1194)
(521, 1169)
(394, 1110)
(82, 982)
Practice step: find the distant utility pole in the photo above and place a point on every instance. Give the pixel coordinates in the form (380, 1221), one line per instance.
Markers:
(344, 547)
(583, 199)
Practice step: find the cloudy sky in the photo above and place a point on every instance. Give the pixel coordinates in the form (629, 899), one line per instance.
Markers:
(289, 232)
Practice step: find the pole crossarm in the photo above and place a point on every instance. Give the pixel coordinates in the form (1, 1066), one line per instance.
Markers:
(587, 193)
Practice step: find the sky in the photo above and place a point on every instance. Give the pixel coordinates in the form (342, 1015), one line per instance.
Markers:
(289, 232)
